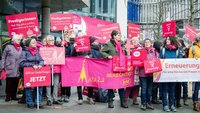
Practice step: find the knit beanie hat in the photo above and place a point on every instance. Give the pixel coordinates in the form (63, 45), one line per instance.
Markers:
(92, 39)
(28, 41)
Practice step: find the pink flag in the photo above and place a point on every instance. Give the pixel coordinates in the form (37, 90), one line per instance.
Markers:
(190, 32)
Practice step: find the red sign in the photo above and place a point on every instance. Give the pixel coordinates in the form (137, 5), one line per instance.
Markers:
(76, 19)
(53, 55)
(107, 30)
(25, 24)
(61, 21)
(153, 65)
(138, 57)
(169, 28)
(133, 30)
(3, 75)
(190, 32)
(35, 78)
(83, 44)
(118, 68)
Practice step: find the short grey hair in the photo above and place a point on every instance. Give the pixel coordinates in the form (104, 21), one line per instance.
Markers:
(16, 37)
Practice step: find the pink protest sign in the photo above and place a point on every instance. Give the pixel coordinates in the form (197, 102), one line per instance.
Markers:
(190, 32)
(39, 77)
(53, 55)
(61, 22)
(169, 28)
(25, 24)
(107, 30)
(83, 44)
(79, 71)
(133, 30)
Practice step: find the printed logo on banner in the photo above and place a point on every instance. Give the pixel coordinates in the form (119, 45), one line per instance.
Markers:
(25, 24)
(35, 78)
(169, 28)
(138, 57)
(53, 55)
(83, 44)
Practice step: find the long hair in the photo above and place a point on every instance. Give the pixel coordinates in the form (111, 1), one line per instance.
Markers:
(173, 41)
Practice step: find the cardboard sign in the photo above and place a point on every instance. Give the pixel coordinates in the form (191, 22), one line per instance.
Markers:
(169, 29)
(138, 57)
(83, 44)
(35, 78)
(107, 30)
(61, 22)
(190, 32)
(153, 65)
(133, 30)
(53, 55)
(25, 24)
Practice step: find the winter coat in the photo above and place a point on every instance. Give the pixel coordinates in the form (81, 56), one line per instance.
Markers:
(95, 51)
(29, 60)
(150, 55)
(176, 53)
(11, 60)
(109, 49)
(194, 52)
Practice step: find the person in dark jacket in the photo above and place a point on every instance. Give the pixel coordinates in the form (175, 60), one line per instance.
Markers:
(112, 48)
(31, 58)
(94, 53)
(10, 63)
(169, 50)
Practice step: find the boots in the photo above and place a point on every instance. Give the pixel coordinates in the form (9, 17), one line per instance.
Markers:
(196, 106)
(110, 103)
(185, 102)
(123, 103)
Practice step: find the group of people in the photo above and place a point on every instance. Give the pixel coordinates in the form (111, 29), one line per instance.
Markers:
(22, 53)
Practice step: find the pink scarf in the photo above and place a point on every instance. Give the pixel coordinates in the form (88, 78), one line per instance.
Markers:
(33, 50)
(17, 46)
(171, 47)
(121, 54)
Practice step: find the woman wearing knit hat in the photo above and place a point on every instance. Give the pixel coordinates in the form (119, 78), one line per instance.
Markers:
(10, 63)
(31, 58)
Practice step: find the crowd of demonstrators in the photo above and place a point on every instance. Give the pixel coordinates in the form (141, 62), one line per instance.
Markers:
(15, 58)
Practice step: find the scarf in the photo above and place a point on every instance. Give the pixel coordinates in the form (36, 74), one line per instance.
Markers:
(49, 45)
(17, 46)
(149, 49)
(171, 47)
(136, 46)
(121, 54)
(32, 50)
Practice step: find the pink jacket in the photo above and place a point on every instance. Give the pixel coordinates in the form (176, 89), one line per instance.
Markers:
(150, 54)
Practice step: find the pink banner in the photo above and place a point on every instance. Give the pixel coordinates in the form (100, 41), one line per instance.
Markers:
(83, 44)
(25, 24)
(53, 55)
(133, 30)
(169, 28)
(107, 30)
(61, 22)
(80, 71)
(190, 32)
(35, 78)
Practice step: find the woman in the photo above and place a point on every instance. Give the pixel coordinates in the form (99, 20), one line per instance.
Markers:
(113, 48)
(31, 58)
(194, 53)
(10, 63)
(133, 92)
(146, 80)
(169, 50)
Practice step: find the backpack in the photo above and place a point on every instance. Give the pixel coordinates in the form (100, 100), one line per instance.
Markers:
(101, 95)
(163, 52)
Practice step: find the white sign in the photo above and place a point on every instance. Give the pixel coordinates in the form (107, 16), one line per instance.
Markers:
(178, 70)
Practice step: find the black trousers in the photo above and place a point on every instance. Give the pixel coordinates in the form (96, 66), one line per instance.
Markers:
(90, 92)
(67, 91)
(11, 87)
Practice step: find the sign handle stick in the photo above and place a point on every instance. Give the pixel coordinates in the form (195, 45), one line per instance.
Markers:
(62, 35)
(38, 98)
(52, 75)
